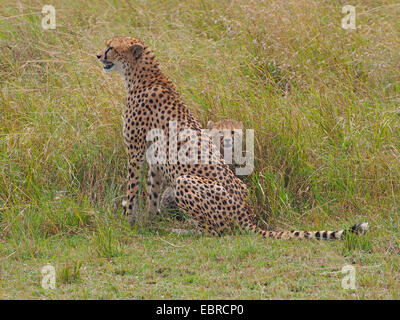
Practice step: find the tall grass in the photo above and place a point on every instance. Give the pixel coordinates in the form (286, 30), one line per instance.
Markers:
(324, 103)
(323, 100)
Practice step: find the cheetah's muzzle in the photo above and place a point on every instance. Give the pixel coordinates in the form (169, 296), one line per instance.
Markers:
(108, 66)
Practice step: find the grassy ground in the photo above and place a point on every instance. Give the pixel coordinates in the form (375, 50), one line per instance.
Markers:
(324, 103)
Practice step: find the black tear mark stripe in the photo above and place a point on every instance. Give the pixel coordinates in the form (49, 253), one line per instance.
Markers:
(105, 54)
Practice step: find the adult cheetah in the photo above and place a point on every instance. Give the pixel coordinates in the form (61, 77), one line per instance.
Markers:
(210, 192)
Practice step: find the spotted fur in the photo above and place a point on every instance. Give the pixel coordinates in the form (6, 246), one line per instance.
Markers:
(222, 130)
(215, 198)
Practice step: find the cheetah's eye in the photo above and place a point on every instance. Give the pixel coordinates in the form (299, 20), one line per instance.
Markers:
(105, 53)
(108, 65)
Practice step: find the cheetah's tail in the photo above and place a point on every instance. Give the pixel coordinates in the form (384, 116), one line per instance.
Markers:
(360, 228)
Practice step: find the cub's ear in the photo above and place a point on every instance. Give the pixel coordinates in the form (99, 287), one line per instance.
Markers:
(136, 50)
(210, 124)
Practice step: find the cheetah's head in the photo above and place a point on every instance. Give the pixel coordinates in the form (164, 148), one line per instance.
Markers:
(120, 54)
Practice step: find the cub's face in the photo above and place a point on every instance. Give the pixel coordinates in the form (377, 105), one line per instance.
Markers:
(226, 130)
(120, 54)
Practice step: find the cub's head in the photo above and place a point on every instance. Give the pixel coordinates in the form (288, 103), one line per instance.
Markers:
(228, 128)
(226, 124)
(120, 54)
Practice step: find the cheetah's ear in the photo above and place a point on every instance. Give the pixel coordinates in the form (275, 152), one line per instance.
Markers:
(136, 50)
(210, 124)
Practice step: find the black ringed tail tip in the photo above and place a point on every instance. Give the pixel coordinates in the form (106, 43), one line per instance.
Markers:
(360, 228)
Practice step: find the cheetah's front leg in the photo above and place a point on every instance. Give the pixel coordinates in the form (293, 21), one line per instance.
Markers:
(153, 189)
(130, 204)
